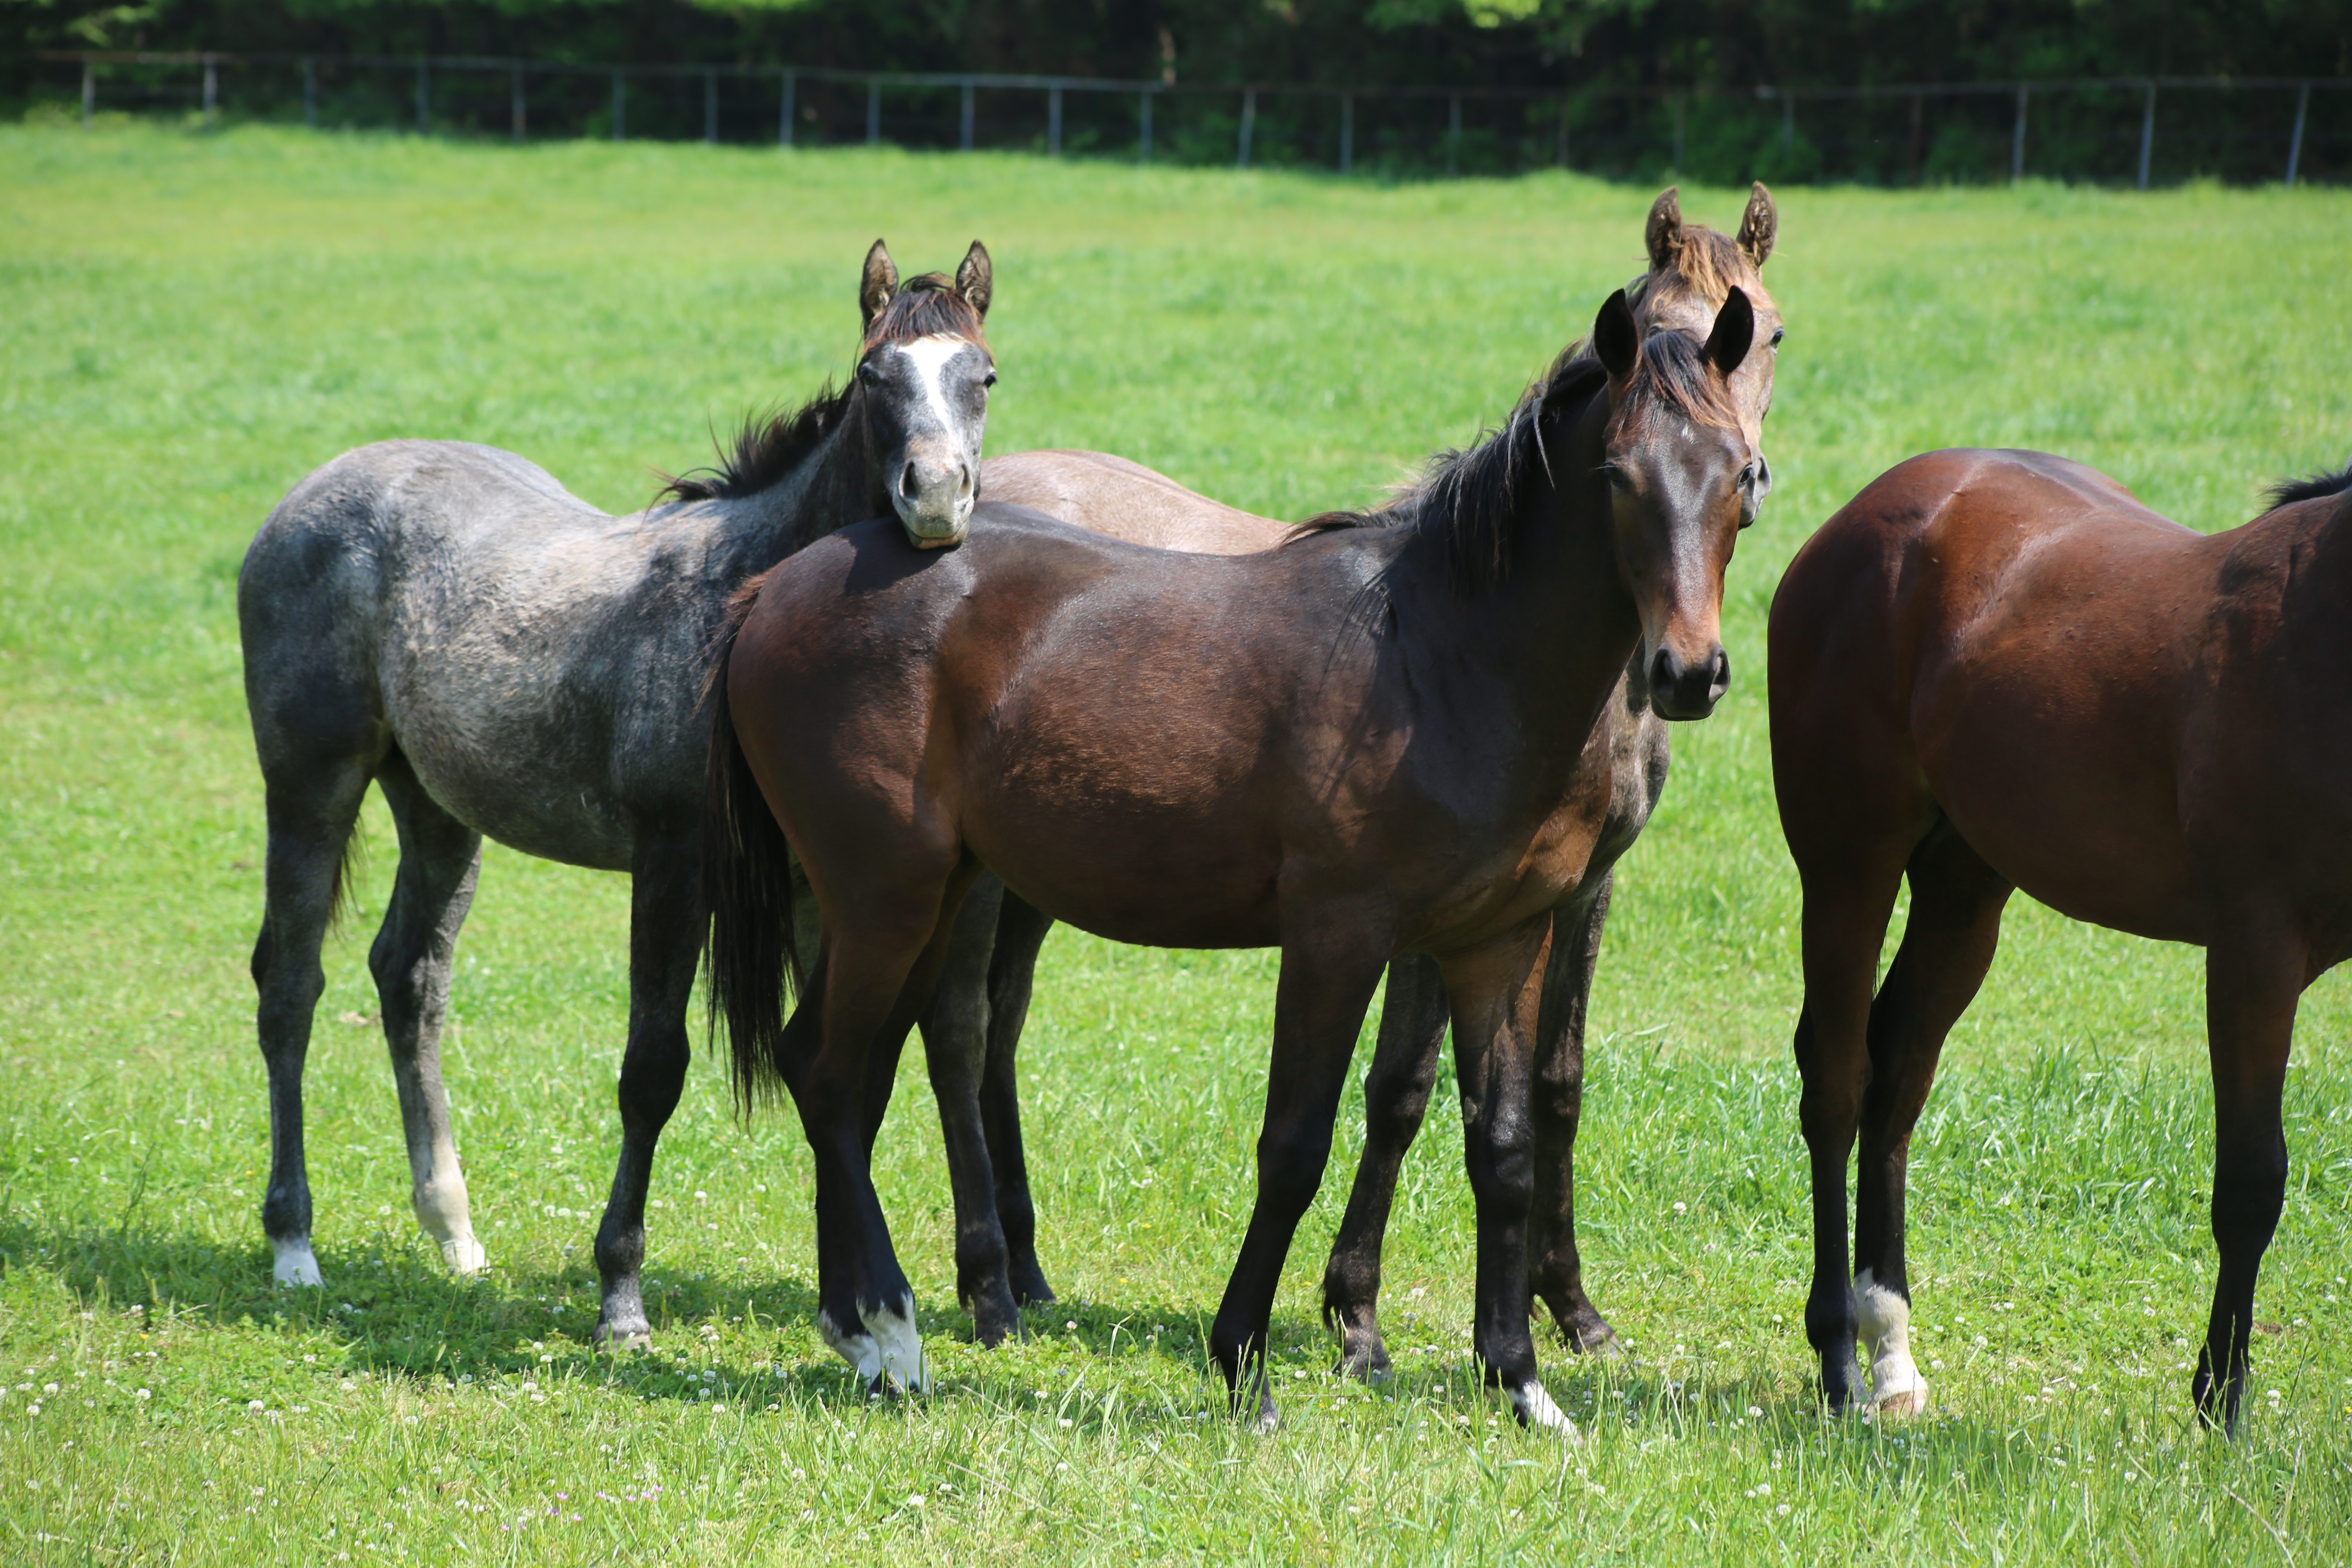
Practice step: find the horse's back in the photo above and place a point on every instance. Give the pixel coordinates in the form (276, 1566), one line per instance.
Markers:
(529, 654)
(1110, 495)
(2008, 640)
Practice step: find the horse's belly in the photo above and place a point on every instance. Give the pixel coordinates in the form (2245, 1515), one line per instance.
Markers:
(551, 814)
(1168, 884)
(2070, 801)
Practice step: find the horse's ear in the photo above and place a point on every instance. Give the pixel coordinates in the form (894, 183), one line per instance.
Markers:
(1616, 342)
(1664, 233)
(877, 284)
(1735, 329)
(975, 280)
(1759, 225)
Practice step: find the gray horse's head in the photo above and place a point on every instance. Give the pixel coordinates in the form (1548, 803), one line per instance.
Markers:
(924, 373)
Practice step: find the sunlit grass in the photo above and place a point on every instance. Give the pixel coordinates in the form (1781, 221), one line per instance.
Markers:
(189, 325)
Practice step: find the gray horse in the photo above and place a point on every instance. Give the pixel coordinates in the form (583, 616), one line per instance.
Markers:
(504, 659)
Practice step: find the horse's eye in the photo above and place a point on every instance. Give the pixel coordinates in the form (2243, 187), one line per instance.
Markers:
(1778, 333)
(1748, 478)
(988, 380)
(867, 373)
(1617, 476)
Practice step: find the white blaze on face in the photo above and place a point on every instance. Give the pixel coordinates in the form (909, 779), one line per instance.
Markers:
(925, 516)
(930, 356)
(1896, 1385)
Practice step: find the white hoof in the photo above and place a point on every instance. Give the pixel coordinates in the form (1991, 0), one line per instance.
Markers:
(1536, 1408)
(297, 1264)
(464, 1256)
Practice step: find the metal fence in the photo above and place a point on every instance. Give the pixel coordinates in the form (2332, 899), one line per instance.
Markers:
(2107, 129)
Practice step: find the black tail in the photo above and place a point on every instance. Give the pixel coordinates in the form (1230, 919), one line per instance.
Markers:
(748, 948)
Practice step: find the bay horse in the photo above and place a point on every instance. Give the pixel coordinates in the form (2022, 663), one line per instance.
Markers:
(503, 659)
(1997, 669)
(1373, 763)
(983, 995)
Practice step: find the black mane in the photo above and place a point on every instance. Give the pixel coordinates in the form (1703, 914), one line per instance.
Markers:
(768, 447)
(2315, 487)
(1470, 494)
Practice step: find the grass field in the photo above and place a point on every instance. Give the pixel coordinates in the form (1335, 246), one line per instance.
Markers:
(188, 325)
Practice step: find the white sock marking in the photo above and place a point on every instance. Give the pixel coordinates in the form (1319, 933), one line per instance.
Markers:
(901, 1347)
(444, 1212)
(297, 1264)
(1887, 1329)
(858, 1348)
(1535, 1405)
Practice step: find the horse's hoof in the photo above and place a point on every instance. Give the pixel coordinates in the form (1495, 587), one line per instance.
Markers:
(464, 1257)
(1030, 1289)
(619, 1341)
(1534, 1407)
(1902, 1403)
(297, 1265)
(1268, 1422)
(1365, 1363)
(1601, 1345)
(991, 1326)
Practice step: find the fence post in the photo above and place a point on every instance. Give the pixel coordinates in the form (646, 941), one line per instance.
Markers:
(964, 135)
(2146, 135)
(89, 107)
(2017, 140)
(521, 111)
(1145, 116)
(1453, 135)
(709, 107)
(2294, 148)
(620, 106)
(874, 111)
(423, 94)
(1249, 123)
(211, 90)
(1053, 121)
(310, 92)
(1347, 134)
(784, 122)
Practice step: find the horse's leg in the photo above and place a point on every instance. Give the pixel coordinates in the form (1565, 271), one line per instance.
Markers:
(1498, 995)
(1021, 929)
(311, 806)
(1948, 944)
(1319, 1008)
(1555, 1270)
(2254, 974)
(439, 859)
(955, 1041)
(663, 937)
(878, 974)
(1846, 906)
(1396, 1097)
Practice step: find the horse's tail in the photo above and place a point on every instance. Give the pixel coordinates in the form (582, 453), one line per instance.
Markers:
(748, 954)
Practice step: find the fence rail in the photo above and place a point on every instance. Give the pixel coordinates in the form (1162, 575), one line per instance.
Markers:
(1562, 101)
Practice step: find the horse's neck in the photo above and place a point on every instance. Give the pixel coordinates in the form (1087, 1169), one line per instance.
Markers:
(1561, 625)
(826, 490)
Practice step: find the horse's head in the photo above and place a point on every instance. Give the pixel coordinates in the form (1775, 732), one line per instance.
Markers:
(1682, 475)
(1692, 269)
(923, 377)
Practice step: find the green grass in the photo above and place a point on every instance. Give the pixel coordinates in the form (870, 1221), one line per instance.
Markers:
(188, 325)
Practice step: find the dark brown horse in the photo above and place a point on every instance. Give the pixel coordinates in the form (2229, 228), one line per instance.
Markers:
(1994, 671)
(1375, 761)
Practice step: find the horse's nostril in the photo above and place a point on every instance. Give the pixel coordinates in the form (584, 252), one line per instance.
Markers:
(1720, 681)
(908, 484)
(1662, 670)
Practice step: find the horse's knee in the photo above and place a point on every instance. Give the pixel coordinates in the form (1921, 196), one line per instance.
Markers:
(1290, 1168)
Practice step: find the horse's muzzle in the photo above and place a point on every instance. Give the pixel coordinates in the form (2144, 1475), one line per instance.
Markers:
(934, 501)
(1679, 689)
